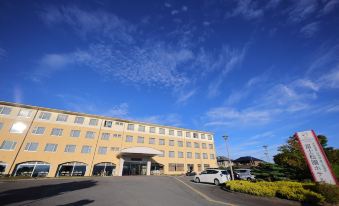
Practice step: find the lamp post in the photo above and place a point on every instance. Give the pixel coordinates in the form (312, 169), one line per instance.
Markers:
(228, 156)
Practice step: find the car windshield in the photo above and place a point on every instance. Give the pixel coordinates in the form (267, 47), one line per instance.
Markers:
(224, 172)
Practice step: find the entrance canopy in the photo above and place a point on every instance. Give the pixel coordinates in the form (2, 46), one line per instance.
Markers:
(141, 150)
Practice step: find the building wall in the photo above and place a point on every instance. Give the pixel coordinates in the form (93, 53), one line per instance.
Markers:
(117, 141)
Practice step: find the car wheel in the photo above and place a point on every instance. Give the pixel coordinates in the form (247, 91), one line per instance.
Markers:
(197, 180)
(249, 179)
(216, 182)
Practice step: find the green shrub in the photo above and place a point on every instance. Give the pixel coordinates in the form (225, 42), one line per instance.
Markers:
(330, 192)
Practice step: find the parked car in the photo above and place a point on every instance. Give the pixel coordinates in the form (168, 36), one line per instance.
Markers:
(215, 176)
(245, 174)
(190, 173)
(235, 175)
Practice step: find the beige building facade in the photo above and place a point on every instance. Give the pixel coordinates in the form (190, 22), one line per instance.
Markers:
(39, 142)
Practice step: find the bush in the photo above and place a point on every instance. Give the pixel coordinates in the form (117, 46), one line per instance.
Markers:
(330, 192)
(283, 189)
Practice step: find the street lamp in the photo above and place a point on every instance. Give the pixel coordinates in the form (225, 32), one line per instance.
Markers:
(228, 154)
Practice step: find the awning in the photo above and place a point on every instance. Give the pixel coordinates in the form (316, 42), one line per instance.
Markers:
(141, 150)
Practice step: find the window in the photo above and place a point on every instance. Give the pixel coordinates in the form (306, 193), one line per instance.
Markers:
(56, 132)
(18, 128)
(203, 145)
(129, 139)
(2, 168)
(108, 124)
(152, 129)
(188, 144)
(141, 128)
(161, 142)
(195, 135)
(8, 145)
(189, 155)
(45, 115)
(5, 110)
(70, 148)
(171, 132)
(90, 135)
(171, 143)
(51, 147)
(93, 122)
(212, 156)
(163, 153)
(197, 155)
(151, 140)
(179, 133)
(180, 144)
(24, 113)
(62, 118)
(130, 127)
(119, 123)
(188, 134)
(38, 130)
(79, 120)
(173, 167)
(203, 136)
(180, 155)
(199, 168)
(117, 135)
(105, 136)
(171, 154)
(31, 146)
(141, 139)
(161, 131)
(115, 149)
(204, 155)
(210, 146)
(102, 150)
(75, 133)
(86, 149)
(196, 145)
(209, 137)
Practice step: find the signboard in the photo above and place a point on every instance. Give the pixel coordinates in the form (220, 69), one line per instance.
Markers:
(316, 158)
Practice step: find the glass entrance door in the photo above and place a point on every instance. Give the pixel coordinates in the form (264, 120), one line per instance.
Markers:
(134, 168)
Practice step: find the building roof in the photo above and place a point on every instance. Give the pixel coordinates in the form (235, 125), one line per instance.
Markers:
(222, 158)
(247, 159)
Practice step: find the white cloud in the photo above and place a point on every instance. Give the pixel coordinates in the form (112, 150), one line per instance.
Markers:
(17, 93)
(168, 5)
(206, 23)
(174, 12)
(3, 53)
(306, 83)
(309, 30)
(330, 79)
(330, 6)
(184, 8)
(302, 9)
(165, 119)
(185, 96)
(118, 110)
(247, 9)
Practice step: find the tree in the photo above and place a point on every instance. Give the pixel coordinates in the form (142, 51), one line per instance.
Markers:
(269, 172)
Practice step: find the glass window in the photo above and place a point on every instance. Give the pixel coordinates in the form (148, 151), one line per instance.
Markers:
(62, 118)
(90, 135)
(203, 145)
(108, 124)
(102, 150)
(117, 135)
(105, 136)
(51, 147)
(8, 145)
(209, 137)
(188, 144)
(203, 136)
(204, 155)
(211, 156)
(72, 169)
(45, 115)
(210, 146)
(180, 143)
(197, 155)
(86, 149)
(2, 168)
(119, 123)
(171, 132)
(32, 169)
(196, 145)
(189, 155)
(57, 132)
(141, 139)
(5, 110)
(141, 128)
(24, 113)
(179, 133)
(93, 122)
(188, 134)
(195, 135)
(151, 140)
(152, 129)
(171, 143)
(18, 128)
(161, 131)
(180, 155)
(171, 154)
(31, 146)
(75, 133)
(129, 138)
(79, 120)
(163, 153)
(130, 127)
(171, 167)
(70, 148)
(161, 142)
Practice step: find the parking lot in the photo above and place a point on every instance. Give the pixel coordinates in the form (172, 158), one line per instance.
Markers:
(126, 190)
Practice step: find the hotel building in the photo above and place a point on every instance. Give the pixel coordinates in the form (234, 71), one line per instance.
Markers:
(39, 142)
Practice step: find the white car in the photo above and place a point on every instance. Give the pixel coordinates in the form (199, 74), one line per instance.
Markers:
(215, 176)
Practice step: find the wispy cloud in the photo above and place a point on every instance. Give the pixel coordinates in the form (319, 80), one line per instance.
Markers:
(185, 96)
(165, 119)
(330, 6)
(247, 9)
(330, 79)
(118, 110)
(3, 53)
(301, 10)
(309, 30)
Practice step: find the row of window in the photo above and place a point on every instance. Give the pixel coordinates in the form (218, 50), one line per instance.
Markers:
(94, 122)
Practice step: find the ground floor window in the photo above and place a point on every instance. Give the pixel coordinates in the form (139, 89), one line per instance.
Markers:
(173, 167)
(206, 166)
(190, 167)
(104, 169)
(2, 168)
(199, 167)
(157, 169)
(32, 169)
(72, 169)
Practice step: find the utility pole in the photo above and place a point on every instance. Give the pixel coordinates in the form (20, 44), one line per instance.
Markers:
(266, 153)
(228, 156)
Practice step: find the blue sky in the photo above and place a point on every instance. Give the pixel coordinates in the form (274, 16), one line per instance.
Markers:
(257, 71)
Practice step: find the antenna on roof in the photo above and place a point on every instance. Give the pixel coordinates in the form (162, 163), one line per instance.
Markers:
(266, 152)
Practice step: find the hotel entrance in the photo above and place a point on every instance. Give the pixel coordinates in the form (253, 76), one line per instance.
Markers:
(134, 168)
